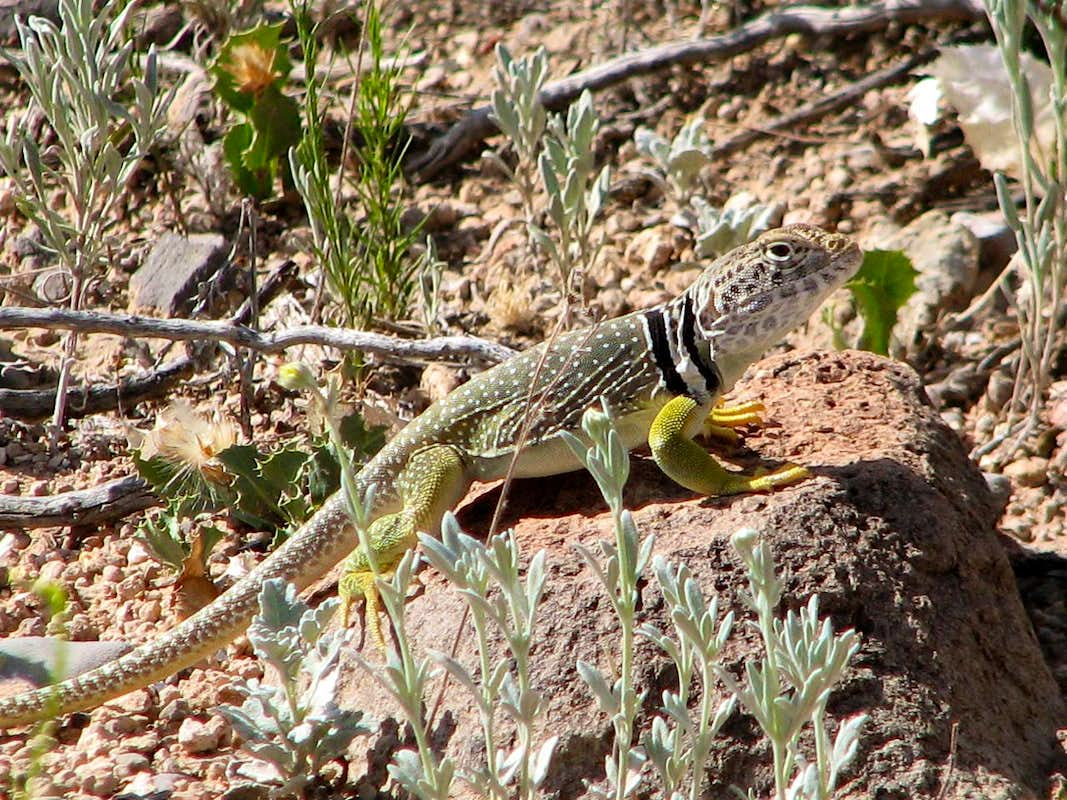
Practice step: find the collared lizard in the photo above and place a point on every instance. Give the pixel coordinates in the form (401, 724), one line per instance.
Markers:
(661, 370)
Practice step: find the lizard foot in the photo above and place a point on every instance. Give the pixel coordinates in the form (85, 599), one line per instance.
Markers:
(761, 481)
(723, 419)
(358, 582)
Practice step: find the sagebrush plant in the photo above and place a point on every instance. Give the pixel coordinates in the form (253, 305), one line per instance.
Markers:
(575, 192)
(788, 688)
(101, 100)
(521, 116)
(488, 580)
(368, 264)
(624, 563)
(1040, 226)
(680, 160)
(294, 726)
(786, 691)
(718, 230)
(558, 149)
(418, 771)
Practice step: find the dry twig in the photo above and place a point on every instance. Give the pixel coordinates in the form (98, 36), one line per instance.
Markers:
(440, 348)
(109, 501)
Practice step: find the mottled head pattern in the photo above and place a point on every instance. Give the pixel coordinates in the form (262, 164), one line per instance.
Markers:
(745, 302)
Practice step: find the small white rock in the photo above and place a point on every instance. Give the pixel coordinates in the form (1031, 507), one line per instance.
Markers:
(195, 736)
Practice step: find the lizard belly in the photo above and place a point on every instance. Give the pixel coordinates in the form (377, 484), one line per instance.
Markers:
(552, 456)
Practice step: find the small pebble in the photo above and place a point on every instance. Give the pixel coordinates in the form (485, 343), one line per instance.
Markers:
(1031, 471)
(195, 736)
(111, 573)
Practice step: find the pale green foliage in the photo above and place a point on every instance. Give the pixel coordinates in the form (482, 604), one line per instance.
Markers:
(520, 115)
(679, 160)
(720, 230)
(789, 687)
(624, 562)
(294, 728)
(420, 771)
(575, 191)
(786, 690)
(559, 149)
(678, 743)
(1041, 225)
(94, 92)
(106, 110)
(488, 580)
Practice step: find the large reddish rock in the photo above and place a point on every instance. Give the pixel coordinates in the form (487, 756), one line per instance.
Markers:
(894, 531)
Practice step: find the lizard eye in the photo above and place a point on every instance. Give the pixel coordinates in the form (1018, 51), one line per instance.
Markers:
(780, 252)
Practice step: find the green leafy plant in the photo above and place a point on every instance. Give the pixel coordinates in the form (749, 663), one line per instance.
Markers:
(786, 690)
(199, 470)
(719, 230)
(885, 281)
(420, 771)
(624, 563)
(295, 728)
(251, 71)
(102, 101)
(172, 546)
(575, 191)
(1040, 226)
(680, 160)
(488, 580)
(369, 265)
(520, 115)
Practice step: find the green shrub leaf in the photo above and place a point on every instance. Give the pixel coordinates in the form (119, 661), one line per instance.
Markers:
(882, 286)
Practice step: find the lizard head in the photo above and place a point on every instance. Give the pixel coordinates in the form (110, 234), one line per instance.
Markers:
(754, 295)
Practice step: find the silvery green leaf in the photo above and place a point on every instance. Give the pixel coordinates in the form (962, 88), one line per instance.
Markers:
(406, 770)
(510, 764)
(651, 144)
(592, 562)
(535, 579)
(605, 696)
(542, 760)
(456, 670)
(846, 742)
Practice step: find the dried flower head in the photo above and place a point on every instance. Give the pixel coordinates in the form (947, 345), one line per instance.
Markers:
(253, 67)
(189, 442)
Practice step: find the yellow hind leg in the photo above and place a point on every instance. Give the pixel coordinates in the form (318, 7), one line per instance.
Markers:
(433, 481)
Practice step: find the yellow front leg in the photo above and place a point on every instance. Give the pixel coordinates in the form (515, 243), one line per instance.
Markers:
(432, 482)
(685, 462)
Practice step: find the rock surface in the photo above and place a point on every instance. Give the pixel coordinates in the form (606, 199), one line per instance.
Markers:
(894, 531)
(169, 277)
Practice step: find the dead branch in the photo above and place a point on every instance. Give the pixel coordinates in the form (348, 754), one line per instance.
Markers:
(440, 348)
(469, 133)
(109, 501)
(36, 404)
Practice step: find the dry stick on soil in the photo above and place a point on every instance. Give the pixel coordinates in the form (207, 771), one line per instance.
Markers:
(36, 404)
(109, 501)
(472, 130)
(440, 348)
